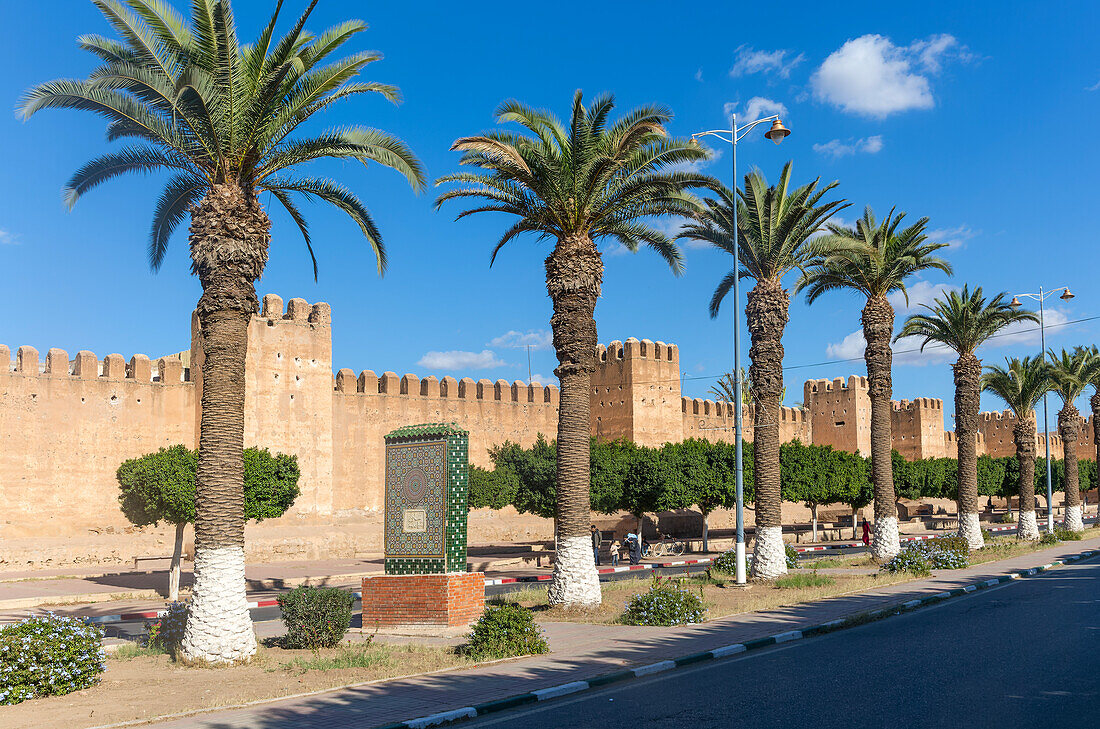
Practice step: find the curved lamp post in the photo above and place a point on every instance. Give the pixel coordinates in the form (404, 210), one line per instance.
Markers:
(777, 133)
(1041, 297)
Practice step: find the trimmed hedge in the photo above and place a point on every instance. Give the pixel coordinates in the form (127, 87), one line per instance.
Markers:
(315, 617)
(504, 631)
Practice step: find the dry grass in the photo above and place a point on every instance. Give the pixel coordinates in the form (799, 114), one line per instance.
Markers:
(840, 561)
(997, 548)
(144, 687)
(720, 596)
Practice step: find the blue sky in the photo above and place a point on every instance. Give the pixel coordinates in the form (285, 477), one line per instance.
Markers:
(977, 115)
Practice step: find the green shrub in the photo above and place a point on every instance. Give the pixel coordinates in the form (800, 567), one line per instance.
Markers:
(921, 557)
(726, 563)
(802, 579)
(493, 489)
(1007, 518)
(166, 633)
(315, 617)
(504, 631)
(1066, 535)
(792, 556)
(48, 656)
(1049, 538)
(665, 604)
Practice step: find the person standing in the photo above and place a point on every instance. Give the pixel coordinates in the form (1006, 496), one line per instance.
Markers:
(597, 538)
(616, 547)
(866, 533)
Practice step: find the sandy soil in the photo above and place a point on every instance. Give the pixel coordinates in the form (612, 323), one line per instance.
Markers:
(146, 687)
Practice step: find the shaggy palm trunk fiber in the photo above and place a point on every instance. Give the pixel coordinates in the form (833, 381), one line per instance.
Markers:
(1069, 425)
(574, 273)
(1027, 526)
(968, 376)
(766, 313)
(878, 330)
(229, 241)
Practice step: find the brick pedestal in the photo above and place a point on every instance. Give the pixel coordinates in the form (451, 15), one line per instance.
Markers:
(436, 599)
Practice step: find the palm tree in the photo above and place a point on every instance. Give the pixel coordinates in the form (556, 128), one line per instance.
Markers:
(963, 321)
(1021, 384)
(774, 225)
(875, 259)
(223, 118)
(1071, 372)
(573, 185)
(1094, 402)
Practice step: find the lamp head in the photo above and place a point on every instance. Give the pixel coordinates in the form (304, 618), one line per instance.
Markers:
(1015, 303)
(778, 132)
(694, 141)
(1066, 295)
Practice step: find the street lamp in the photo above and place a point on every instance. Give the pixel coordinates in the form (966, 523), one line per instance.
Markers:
(777, 133)
(1041, 297)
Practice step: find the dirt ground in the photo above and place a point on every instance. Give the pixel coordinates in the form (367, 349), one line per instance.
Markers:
(150, 686)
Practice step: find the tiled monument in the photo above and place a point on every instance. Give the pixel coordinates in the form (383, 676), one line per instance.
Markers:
(426, 582)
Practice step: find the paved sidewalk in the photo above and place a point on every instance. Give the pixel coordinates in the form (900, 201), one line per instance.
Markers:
(582, 651)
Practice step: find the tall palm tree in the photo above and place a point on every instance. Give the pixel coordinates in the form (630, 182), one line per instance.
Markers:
(224, 120)
(573, 185)
(875, 259)
(1071, 372)
(963, 321)
(1094, 403)
(774, 225)
(1021, 384)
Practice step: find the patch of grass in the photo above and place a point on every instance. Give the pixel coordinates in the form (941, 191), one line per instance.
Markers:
(130, 651)
(802, 580)
(371, 656)
(841, 561)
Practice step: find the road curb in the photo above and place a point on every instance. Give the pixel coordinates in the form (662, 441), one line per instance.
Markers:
(855, 619)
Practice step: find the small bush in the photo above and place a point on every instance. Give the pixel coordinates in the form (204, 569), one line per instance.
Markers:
(504, 631)
(48, 656)
(726, 563)
(1048, 538)
(802, 579)
(315, 617)
(665, 604)
(1007, 518)
(792, 556)
(921, 557)
(166, 633)
(1066, 535)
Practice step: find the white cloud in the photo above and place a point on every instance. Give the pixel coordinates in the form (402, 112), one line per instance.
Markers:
(751, 61)
(542, 380)
(954, 237)
(535, 338)
(836, 148)
(8, 239)
(906, 351)
(921, 294)
(757, 107)
(1026, 332)
(459, 360)
(873, 77)
(1094, 87)
(699, 75)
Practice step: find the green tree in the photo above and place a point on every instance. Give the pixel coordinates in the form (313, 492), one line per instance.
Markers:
(223, 119)
(535, 468)
(160, 487)
(1021, 383)
(574, 186)
(875, 259)
(610, 468)
(774, 225)
(963, 321)
(493, 489)
(1071, 373)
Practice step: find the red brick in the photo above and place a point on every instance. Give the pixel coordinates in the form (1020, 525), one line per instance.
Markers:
(451, 600)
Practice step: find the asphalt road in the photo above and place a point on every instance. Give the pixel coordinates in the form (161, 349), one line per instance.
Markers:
(1026, 654)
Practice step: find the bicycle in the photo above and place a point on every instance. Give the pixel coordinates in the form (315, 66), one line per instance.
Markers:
(667, 547)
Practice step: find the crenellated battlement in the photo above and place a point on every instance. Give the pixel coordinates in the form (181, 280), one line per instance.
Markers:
(297, 311)
(637, 349)
(837, 383)
(927, 403)
(409, 385)
(86, 366)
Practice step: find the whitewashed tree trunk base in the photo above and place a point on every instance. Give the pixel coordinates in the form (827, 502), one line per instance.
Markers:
(970, 529)
(219, 627)
(769, 554)
(575, 582)
(1027, 527)
(1075, 521)
(886, 541)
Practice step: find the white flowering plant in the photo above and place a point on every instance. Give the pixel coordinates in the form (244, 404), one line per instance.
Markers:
(921, 557)
(665, 604)
(49, 655)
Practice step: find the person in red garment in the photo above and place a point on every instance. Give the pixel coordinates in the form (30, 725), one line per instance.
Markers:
(866, 533)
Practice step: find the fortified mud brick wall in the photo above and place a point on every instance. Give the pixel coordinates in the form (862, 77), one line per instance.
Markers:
(714, 421)
(840, 413)
(65, 430)
(366, 407)
(636, 392)
(916, 427)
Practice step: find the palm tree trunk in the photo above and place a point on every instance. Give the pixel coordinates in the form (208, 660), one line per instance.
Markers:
(1069, 425)
(878, 330)
(968, 376)
(1094, 401)
(574, 273)
(174, 568)
(1027, 526)
(766, 313)
(229, 241)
